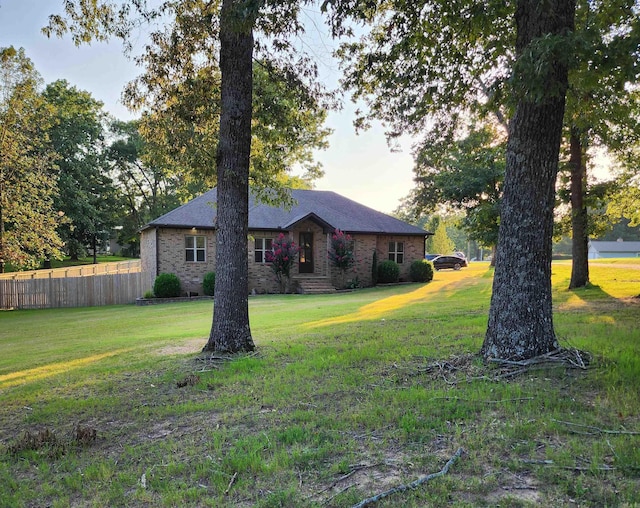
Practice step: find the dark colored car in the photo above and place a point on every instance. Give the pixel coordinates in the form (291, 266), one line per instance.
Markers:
(455, 262)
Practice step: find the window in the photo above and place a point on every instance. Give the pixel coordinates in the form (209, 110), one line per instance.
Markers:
(263, 245)
(396, 252)
(195, 248)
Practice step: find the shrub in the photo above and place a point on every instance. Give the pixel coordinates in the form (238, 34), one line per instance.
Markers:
(421, 271)
(167, 285)
(282, 259)
(341, 251)
(388, 271)
(149, 294)
(209, 283)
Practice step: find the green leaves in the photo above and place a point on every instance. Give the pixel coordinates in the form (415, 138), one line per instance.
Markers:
(86, 194)
(429, 61)
(28, 175)
(531, 77)
(465, 175)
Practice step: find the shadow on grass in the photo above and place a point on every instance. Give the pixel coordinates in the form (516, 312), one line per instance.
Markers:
(29, 375)
(590, 298)
(437, 288)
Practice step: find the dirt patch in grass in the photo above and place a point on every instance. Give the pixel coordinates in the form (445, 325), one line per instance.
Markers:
(390, 468)
(191, 346)
(520, 487)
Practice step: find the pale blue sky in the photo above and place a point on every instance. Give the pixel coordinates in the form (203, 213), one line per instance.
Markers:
(360, 167)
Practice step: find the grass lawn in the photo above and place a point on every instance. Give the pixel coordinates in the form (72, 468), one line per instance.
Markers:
(347, 396)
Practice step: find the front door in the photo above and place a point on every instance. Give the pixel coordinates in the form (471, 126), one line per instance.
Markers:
(305, 258)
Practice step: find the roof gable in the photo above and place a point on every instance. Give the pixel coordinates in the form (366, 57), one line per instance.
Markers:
(311, 217)
(326, 208)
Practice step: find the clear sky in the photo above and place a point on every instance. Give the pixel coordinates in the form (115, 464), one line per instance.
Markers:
(360, 167)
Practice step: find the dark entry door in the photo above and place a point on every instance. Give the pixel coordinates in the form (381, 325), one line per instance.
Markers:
(305, 258)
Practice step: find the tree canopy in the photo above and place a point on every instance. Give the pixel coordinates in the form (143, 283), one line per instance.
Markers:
(147, 188)
(425, 63)
(178, 91)
(466, 175)
(28, 175)
(85, 194)
(624, 201)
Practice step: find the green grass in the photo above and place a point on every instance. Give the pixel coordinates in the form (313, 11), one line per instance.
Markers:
(347, 396)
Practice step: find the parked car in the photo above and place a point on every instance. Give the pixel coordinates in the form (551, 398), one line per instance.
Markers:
(430, 257)
(455, 262)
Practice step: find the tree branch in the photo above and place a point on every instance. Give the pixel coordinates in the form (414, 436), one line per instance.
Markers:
(412, 485)
(597, 430)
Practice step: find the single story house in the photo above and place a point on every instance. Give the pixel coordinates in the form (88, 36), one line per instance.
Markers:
(619, 249)
(182, 241)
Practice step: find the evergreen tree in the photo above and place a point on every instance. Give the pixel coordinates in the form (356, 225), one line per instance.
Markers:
(440, 242)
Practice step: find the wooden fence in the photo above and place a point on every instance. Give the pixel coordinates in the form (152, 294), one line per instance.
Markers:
(81, 286)
(131, 266)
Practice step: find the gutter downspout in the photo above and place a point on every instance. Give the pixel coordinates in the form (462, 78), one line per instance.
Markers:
(157, 252)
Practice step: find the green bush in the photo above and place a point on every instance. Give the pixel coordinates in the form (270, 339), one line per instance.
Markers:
(167, 285)
(421, 271)
(209, 283)
(388, 271)
(149, 294)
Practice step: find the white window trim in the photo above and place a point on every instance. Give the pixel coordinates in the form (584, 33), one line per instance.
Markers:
(195, 249)
(393, 253)
(262, 248)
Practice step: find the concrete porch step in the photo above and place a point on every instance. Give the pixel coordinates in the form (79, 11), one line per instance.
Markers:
(315, 285)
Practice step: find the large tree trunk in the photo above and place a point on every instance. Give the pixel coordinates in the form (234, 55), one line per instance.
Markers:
(230, 331)
(520, 317)
(580, 237)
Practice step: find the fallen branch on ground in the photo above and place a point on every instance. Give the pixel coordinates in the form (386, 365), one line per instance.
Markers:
(597, 430)
(231, 482)
(548, 462)
(412, 485)
(501, 401)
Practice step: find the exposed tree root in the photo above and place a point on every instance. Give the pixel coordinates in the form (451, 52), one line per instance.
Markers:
(468, 367)
(571, 358)
(212, 361)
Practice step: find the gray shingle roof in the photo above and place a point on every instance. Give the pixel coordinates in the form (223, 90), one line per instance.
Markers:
(603, 246)
(329, 207)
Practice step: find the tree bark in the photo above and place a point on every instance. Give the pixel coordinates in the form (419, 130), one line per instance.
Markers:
(520, 317)
(94, 242)
(230, 331)
(580, 237)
